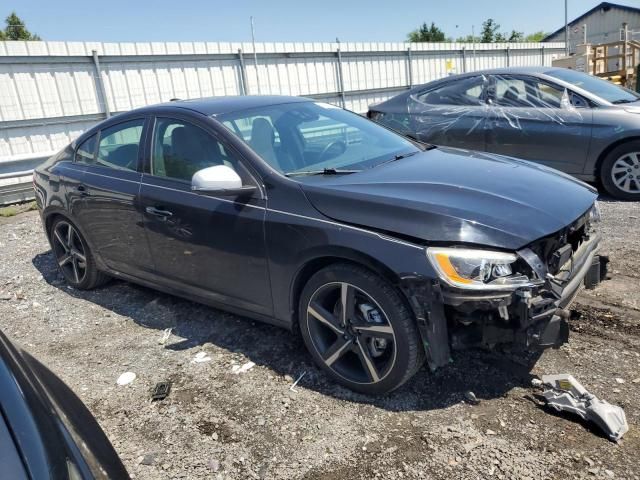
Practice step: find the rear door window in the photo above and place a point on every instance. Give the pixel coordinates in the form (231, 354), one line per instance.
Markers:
(119, 145)
(466, 91)
(526, 92)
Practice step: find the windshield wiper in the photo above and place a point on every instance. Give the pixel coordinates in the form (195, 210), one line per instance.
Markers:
(395, 158)
(405, 155)
(325, 171)
(624, 100)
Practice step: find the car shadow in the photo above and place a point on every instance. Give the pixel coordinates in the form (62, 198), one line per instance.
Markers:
(487, 374)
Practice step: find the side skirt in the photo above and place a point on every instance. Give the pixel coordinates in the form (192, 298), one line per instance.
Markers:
(196, 298)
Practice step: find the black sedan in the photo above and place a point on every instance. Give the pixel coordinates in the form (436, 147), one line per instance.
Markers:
(46, 432)
(562, 118)
(378, 250)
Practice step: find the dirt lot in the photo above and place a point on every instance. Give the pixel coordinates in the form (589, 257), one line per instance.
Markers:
(217, 424)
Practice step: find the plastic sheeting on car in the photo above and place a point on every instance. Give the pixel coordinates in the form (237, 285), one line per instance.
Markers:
(516, 115)
(511, 98)
(471, 111)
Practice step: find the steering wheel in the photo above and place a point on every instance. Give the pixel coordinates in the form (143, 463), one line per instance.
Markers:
(339, 144)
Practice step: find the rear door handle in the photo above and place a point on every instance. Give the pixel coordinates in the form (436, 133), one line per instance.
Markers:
(158, 212)
(82, 190)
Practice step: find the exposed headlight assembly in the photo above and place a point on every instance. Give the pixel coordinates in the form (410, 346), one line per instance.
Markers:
(476, 269)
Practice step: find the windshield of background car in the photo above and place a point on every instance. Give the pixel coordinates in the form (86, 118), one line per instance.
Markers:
(597, 86)
(301, 137)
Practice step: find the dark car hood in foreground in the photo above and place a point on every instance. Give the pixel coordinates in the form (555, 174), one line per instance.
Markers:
(452, 195)
(55, 435)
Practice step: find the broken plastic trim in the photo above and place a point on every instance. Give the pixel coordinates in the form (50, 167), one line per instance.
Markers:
(565, 393)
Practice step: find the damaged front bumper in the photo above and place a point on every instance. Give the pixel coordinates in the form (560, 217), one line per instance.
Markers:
(531, 317)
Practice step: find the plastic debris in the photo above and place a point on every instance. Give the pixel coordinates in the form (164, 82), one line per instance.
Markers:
(242, 369)
(161, 390)
(296, 382)
(166, 334)
(201, 357)
(126, 378)
(564, 393)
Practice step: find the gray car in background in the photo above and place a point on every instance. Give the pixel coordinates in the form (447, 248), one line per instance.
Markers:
(568, 120)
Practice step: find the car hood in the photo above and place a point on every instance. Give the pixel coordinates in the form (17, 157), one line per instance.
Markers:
(454, 195)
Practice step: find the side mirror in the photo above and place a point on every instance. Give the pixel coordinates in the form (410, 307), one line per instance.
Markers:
(219, 180)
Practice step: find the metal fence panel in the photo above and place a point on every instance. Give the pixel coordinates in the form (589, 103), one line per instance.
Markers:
(52, 91)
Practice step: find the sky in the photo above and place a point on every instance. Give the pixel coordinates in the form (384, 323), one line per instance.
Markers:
(281, 20)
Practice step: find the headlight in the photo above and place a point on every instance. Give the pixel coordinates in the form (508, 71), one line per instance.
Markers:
(476, 269)
(594, 213)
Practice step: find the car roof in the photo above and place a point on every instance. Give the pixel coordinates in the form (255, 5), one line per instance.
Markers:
(219, 105)
(539, 71)
(512, 70)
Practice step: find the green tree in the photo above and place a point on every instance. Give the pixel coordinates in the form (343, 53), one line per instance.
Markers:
(516, 36)
(499, 38)
(426, 34)
(489, 30)
(468, 39)
(16, 29)
(535, 36)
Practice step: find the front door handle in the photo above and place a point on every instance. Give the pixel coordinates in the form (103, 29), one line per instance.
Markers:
(158, 212)
(82, 190)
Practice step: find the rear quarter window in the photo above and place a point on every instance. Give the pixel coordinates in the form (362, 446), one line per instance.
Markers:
(86, 151)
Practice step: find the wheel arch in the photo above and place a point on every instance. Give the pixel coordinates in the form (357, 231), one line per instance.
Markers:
(317, 262)
(50, 216)
(607, 150)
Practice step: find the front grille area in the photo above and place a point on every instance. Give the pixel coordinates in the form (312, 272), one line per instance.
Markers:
(558, 249)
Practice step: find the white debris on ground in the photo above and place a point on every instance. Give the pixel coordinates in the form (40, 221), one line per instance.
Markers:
(564, 393)
(242, 369)
(201, 357)
(126, 378)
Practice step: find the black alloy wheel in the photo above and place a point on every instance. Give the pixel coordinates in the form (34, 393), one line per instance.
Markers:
(358, 329)
(74, 259)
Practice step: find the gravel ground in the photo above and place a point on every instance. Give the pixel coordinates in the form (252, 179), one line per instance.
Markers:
(221, 424)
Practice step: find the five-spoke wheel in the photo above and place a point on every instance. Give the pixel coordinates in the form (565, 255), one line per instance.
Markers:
(69, 251)
(351, 332)
(358, 329)
(73, 256)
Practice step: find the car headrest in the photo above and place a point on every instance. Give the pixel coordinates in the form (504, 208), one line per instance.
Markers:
(262, 140)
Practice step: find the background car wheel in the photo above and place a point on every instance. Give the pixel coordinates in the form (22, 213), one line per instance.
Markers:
(359, 330)
(74, 259)
(620, 172)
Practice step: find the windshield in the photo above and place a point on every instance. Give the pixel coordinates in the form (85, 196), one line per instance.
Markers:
(597, 86)
(305, 138)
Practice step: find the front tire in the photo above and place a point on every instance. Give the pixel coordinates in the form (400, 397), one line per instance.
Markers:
(620, 171)
(359, 330)
(73, 256)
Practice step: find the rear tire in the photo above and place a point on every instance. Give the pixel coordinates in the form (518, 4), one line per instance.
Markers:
(73, 256)
(375, 347)
(620, 171)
